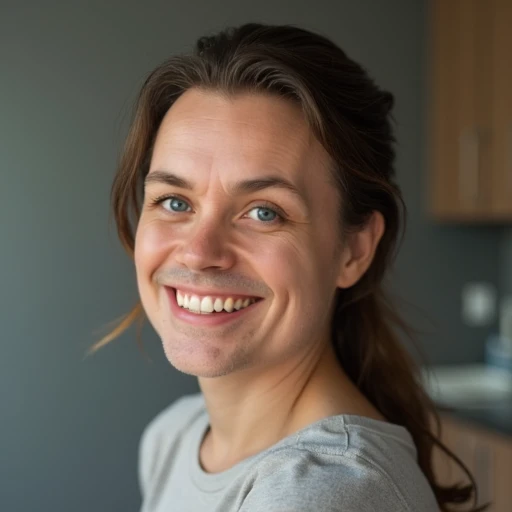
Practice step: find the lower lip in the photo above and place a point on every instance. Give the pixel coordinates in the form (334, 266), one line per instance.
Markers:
(211, 319)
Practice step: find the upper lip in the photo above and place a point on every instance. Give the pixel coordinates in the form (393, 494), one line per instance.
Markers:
(203, 292)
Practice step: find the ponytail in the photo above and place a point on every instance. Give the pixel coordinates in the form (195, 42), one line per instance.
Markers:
(370, 352)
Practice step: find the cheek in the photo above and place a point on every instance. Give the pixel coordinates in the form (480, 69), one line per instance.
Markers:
(151, 245)
(302, 287)
(151, 248)
(294, 268)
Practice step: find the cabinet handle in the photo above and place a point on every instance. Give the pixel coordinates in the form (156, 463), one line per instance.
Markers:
(508, 160)
(469, 165)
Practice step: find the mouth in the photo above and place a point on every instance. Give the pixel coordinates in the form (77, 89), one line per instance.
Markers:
(209, 309)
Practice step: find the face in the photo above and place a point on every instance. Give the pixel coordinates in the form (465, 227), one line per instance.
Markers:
(239, 211)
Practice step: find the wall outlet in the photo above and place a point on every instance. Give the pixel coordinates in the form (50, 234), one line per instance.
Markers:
(479, 303)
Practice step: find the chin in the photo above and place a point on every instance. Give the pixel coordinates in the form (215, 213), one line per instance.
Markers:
(207, 363)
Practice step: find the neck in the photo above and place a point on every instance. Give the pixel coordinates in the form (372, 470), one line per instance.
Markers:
(250, 412)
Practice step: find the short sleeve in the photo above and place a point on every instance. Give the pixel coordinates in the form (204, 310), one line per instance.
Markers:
(164, 426)
(311, 484)
(145, 459)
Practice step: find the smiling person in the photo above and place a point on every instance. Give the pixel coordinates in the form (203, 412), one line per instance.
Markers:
(259, 171)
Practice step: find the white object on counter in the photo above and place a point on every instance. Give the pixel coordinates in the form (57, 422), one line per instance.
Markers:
(479, 300)
(475, 385)
(506, 324)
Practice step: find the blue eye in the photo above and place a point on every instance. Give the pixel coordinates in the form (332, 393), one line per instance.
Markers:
(264, 214)
(178, 205)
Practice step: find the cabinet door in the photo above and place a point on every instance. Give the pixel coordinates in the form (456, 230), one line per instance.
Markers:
(487, 456)
(474, 452)
(502, 110)
(502, 474)
(460, 109)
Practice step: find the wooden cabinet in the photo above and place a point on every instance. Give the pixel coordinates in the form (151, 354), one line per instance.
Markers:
(486, 454)
(501, 113)
(470, 110)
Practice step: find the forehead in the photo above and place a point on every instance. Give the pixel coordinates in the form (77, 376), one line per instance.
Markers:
(243, 134)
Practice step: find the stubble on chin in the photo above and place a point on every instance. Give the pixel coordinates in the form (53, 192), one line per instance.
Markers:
(202, 356)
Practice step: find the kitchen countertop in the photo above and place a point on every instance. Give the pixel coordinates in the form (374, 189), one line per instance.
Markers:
(495, 417)
(477, 394)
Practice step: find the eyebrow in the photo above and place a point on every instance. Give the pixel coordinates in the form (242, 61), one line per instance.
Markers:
(240, 187)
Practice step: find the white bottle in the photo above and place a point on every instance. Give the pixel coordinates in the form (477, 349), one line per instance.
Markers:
(506, 324)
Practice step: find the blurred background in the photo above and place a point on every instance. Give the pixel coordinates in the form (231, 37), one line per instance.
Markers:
(69, 73)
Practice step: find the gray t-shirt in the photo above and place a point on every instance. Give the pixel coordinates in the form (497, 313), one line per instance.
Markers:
(342, 463)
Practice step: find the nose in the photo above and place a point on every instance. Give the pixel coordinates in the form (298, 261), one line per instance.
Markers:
(205, 246)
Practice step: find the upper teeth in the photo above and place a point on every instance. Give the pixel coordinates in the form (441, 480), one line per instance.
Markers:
(210, 304)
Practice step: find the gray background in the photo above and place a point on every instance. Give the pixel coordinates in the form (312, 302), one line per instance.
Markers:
(69, 73)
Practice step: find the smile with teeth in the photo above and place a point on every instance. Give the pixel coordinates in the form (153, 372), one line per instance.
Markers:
(208, 304)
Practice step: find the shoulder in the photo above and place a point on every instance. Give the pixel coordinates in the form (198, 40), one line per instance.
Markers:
(164, 430)
(340, 466)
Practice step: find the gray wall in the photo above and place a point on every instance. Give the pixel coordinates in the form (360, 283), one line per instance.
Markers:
(69, 73)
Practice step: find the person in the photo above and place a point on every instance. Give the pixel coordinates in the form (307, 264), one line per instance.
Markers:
(259, 170)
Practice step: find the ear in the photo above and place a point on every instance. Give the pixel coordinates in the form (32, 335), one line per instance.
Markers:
(358, 251)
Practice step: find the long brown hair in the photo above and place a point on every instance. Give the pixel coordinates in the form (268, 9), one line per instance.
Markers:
(351, 117)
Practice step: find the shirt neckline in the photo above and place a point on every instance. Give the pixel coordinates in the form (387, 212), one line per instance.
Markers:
(213, 482)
